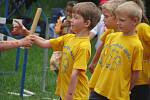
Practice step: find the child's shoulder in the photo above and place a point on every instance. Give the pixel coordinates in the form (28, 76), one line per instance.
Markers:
(69, 35)
(114, 34)
(142, 25)
(143, 31)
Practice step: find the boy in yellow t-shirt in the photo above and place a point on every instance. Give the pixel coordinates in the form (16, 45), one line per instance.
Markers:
(141, 89)
(108, 9)
(110, 21)
(121, 57)
(76, 51)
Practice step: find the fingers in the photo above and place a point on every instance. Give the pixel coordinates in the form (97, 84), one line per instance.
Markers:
(91, 70)
(19, 29)
(20, 24)
(32, 37)
(27, 41)
(15, 30)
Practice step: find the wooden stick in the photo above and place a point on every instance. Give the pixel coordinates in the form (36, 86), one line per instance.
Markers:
(35, 21)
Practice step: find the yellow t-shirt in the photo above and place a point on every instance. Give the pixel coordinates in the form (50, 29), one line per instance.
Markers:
(104, 35)
(121, 55)
(76, 54)
(143, 31)
(96, 72)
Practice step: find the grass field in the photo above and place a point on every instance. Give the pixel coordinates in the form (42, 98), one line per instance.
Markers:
(11, 82)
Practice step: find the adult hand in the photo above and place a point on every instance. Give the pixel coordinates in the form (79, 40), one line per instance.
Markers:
(19, 28)
(27, 41)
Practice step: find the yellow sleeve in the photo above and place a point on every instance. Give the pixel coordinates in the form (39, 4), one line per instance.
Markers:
(104, 35)
(57, 43)
(143, 31)
(137, 58)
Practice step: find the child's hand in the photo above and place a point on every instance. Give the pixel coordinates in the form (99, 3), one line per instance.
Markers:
(26, 42)
(20, 29)
(91, 67)
(69, 97)
(33, 37)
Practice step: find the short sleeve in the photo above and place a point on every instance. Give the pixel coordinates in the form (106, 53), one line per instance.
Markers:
(137, 58)
(105, 34)
(143, 31)
(57, 44)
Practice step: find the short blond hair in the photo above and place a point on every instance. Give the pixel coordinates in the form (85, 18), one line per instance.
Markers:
(89, 11)
(130, 8)
(112, 5)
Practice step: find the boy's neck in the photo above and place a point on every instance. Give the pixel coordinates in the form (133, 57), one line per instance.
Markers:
(83, 33)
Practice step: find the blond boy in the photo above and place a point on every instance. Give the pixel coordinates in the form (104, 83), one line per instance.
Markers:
(121, 58)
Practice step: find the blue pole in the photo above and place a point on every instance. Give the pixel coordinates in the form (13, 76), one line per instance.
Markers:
(6, 8)
(0, 7)
(17, 59)
(24, 72)
(7, 15)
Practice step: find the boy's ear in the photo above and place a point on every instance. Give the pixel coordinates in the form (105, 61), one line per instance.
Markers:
(136, 20)
(88, 23)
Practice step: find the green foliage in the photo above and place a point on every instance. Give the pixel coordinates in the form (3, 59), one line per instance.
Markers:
(46, 6)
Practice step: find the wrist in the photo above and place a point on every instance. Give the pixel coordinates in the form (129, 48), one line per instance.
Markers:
(19, 43)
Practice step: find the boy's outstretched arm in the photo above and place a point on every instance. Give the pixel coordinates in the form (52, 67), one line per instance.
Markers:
(43, 43)
(72, 85)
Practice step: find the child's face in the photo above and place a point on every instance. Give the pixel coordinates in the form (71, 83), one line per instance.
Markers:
(125, 23)
(109, 19)
(77, 23)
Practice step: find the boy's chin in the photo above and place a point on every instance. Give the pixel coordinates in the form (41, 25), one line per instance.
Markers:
(73, 30)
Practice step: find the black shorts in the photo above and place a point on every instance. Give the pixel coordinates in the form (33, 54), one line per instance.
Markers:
(140, 92)
(96, 96)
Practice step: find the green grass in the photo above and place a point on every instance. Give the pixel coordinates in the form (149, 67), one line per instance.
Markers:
(11, 82)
